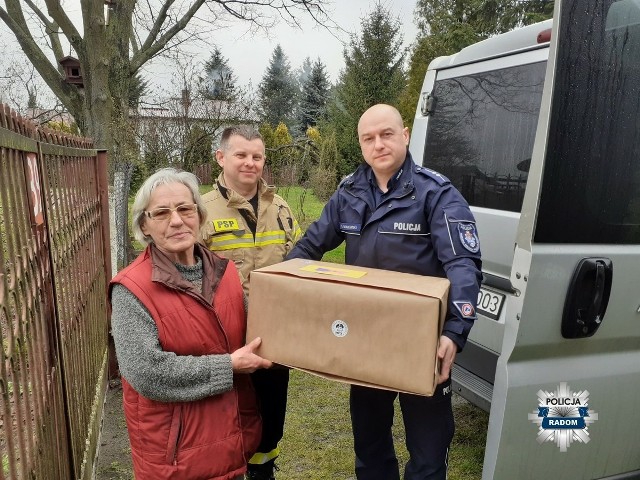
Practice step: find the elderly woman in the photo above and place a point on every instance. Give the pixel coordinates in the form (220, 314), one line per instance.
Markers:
(179, 326)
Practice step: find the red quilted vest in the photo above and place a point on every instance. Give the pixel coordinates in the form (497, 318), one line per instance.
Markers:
(207, 439)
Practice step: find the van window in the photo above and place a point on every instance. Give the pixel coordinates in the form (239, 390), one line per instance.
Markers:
(591, 184)
(482, 131)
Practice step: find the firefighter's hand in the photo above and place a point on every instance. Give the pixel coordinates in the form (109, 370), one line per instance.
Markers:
(244, 360)
(446, 354)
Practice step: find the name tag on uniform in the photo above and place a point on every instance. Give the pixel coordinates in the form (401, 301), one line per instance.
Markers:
(350, 227)
(226, 225)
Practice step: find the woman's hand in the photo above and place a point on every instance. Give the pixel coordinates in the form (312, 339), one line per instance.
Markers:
(244, 360)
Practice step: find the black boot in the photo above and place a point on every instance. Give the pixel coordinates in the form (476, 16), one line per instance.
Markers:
(265, 471)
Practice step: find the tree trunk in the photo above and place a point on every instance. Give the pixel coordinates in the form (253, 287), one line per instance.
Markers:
(105, 112)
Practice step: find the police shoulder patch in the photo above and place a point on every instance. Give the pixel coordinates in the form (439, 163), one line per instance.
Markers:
(345, 179)
(433, 175)
(466, 309)
(469, 236)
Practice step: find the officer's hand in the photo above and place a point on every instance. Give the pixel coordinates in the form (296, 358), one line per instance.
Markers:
(244, 360)
(446, 354)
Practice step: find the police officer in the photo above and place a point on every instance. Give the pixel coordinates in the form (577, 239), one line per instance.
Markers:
(250, 224)
(398, 216)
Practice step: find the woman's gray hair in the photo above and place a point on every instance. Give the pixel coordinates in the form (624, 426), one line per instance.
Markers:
(163, 176)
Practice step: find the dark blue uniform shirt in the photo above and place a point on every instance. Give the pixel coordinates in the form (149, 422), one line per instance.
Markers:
(422, 225)
(378, 195)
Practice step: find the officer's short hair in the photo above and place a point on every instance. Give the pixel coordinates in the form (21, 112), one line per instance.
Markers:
(247, 132)
(163, 176)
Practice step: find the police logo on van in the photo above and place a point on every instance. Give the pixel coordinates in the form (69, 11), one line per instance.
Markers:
(563, 416)
(469, 237)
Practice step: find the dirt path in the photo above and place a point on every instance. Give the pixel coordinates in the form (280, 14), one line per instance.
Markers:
(114, 456)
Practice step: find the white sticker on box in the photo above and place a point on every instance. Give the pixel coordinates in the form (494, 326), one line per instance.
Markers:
(339, 328)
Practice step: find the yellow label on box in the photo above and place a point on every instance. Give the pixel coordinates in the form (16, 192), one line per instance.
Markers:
(337, 272)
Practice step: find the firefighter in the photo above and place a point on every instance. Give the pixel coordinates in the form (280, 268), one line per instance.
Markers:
(250, 224)
(396, 215)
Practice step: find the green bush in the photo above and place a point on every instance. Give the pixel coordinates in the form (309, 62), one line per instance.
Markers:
(323, 182)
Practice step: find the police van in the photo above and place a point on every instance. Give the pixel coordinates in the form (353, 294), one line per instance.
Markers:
(539, 128)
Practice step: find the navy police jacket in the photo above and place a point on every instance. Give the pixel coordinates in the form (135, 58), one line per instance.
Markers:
(423, 226)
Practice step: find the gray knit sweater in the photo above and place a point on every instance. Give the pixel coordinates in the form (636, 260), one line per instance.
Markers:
(152, 372)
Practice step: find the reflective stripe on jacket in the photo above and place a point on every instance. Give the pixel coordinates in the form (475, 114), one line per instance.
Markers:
(214, 437)
(227, 233)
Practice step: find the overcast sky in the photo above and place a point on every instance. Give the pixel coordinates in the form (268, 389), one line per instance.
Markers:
(249, 54)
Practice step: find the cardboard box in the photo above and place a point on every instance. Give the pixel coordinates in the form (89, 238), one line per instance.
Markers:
(352, 324)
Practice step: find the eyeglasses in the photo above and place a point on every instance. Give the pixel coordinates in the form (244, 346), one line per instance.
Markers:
(185, 211)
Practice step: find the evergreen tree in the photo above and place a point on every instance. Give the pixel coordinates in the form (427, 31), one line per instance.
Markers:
(314, 96)
(323, 176)
(278, 91)
(308, 157)
(219, 82)
(282, 153)
(268, 137)
(304, 72)
(483, 18)
(267, 133)
(137, 88)
(373, 74)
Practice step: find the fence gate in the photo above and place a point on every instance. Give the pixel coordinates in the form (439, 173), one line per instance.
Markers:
(53, 313)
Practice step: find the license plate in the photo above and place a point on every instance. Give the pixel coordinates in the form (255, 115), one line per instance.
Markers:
(490, 303)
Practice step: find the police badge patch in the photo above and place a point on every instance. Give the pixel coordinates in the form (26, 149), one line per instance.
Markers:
(469, 237)
(466, 309)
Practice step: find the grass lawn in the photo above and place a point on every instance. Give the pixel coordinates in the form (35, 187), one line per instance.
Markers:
(307, 208)
(318, 445)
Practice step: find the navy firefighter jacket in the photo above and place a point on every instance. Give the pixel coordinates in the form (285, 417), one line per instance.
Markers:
(422, 226)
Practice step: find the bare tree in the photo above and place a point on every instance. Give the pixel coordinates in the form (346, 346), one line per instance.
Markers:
(116, 43)
(117, 39)
(23, 89)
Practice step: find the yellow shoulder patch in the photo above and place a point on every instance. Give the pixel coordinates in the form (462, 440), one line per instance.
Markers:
(225, 225)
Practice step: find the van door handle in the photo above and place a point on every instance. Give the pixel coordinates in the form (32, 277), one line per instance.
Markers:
(594, 309)
(587, 297)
